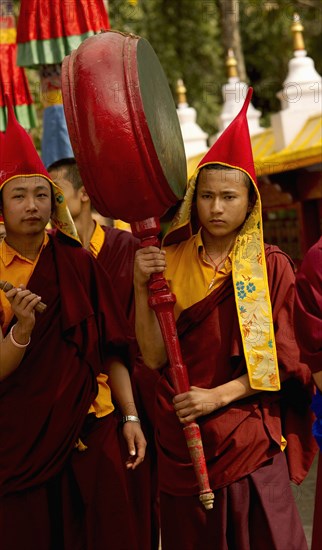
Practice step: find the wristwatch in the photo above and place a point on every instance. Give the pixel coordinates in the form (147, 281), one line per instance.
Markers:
(130, 418)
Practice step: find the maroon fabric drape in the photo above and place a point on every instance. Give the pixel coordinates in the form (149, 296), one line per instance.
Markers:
(252, 513)
(96, 505)
(308, 307)
(117, 258)
(43, 404)
(84, 506)
(242, 436)
(308, 330)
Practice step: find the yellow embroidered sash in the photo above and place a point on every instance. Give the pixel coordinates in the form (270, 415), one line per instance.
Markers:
(250, 286)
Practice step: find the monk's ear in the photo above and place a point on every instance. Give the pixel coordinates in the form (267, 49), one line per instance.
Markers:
(83, 194)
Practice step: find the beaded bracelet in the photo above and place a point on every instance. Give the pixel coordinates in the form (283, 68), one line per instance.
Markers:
(130, 418)
(14, 342)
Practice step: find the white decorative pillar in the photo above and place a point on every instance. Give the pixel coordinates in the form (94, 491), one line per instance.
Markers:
(301, 96)
(194, 138)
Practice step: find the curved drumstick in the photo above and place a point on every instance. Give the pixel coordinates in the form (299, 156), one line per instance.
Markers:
(5, 286)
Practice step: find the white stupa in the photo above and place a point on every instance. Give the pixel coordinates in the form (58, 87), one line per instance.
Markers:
(194, 138)
(234, 94)
(301, 95)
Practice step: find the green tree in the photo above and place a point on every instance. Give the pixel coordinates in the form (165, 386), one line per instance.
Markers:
(185, 35)
(191, 38)
(268, 44)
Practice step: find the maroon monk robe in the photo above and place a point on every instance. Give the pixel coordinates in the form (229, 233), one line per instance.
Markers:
(117, 258)
(308, 330)
(245, 435)
(95, 500)
(239, 518)
(308, 308)
(43, 404)
(240, 437)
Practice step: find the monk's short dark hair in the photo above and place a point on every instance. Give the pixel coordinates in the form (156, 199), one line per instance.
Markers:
(71, 172)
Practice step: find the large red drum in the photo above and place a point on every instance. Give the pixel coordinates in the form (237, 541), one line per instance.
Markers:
(123, 126)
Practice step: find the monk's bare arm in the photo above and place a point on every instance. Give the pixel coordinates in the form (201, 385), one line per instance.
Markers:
(237, 389)
(147, 261)
(120, 384)
(23, 303)
(201, 401)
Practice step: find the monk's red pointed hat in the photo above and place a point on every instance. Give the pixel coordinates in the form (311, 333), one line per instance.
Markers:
(19, 158)
(233, 148)
(18, 153)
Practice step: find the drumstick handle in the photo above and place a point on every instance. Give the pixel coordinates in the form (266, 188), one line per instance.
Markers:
(5, 286)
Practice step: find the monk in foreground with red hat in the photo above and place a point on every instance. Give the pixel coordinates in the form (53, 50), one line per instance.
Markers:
(248, 388)
(62, 482)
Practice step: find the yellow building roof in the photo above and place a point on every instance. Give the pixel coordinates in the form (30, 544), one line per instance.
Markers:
(304, 150)
(263, 144)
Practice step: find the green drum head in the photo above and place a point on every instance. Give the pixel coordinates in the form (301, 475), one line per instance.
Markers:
(162, 119)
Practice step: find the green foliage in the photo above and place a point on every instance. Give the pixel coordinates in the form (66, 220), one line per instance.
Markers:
(268, 44)
(185, 36)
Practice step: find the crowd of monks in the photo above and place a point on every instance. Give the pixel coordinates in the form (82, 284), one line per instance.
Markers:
(92, 448)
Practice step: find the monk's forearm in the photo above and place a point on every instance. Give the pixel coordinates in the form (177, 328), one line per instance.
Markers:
(121, 388)
(148, 332)
(235, 390)
(120, 384)
(203, 401)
